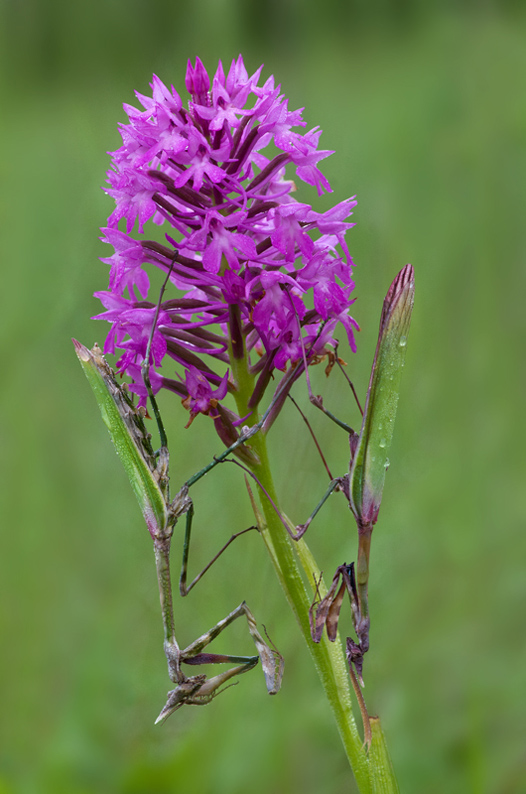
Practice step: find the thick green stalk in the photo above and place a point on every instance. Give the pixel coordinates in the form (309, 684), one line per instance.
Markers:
(328, 657)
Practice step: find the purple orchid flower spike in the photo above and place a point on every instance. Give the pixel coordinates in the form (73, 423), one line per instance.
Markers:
(252, 272)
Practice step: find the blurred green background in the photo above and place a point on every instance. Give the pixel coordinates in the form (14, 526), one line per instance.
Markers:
(424, 103)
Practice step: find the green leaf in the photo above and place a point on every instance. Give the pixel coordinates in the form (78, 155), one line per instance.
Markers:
(370, 461)
(130, 438)
(382, 774)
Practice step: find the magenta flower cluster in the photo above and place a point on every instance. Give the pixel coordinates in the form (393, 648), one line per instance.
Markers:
(257, 272)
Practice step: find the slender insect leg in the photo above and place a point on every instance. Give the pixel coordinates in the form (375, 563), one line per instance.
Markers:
(317, 400)
(302, 528)
(245, 435)
(183, 588)
(295, 532)
(349, 381)
(317, 404)
(367, 734)
(209, 636)
(145, 370)
(311, 431)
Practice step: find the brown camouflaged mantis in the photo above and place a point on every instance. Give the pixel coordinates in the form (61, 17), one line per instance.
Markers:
(148, 475)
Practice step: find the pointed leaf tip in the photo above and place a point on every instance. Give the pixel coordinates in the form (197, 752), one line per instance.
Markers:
(129, 435)
(81, 351)
(382, 773)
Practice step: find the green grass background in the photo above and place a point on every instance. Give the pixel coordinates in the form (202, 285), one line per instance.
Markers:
(425, 106)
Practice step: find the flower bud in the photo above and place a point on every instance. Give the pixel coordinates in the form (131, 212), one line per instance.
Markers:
(369, 462)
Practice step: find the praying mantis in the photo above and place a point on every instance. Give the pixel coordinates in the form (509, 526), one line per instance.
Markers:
(148, 474)
(362, 486)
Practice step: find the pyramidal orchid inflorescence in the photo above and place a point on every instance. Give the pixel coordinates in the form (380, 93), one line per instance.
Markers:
(252, 272)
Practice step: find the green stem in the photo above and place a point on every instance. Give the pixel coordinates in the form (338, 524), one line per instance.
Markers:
(328, 657)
